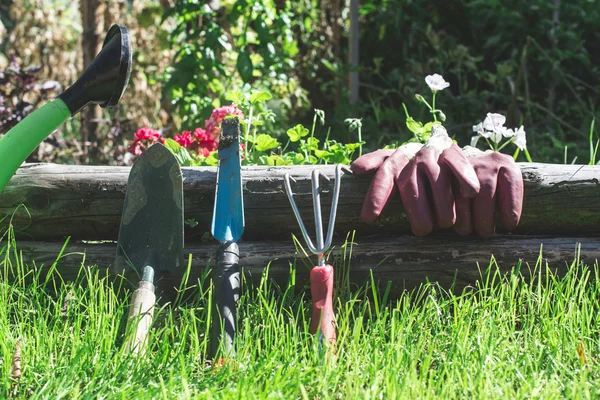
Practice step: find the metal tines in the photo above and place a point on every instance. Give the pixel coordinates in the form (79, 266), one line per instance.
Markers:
(322, 245)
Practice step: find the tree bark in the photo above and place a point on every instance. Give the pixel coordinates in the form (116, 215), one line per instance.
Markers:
(92, 17)
(405, 261)
(86, 202)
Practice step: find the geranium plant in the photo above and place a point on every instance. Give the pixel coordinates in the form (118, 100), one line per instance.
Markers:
(491, 129)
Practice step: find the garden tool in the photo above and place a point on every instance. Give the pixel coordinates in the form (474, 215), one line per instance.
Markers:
(321, 276)
(103, 83)
(151, 240)
(227, 228)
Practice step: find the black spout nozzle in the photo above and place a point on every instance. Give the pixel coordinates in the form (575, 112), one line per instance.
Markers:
(105, 79)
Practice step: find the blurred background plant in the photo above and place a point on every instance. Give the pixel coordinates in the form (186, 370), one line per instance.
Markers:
(537, 63)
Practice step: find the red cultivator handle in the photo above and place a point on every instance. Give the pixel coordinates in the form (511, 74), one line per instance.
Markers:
(321, 289)
(321, 276)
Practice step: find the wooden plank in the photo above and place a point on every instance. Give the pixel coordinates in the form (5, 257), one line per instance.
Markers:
(406, 261)
(85, 202)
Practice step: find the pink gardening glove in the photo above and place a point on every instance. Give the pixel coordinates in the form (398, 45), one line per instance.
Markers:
(438, 184)
(424, 176)
(501, 193)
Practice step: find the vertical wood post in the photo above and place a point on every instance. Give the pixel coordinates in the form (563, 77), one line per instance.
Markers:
(353, 44)
(92, 17)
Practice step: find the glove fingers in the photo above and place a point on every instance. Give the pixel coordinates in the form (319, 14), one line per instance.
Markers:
(413, 192)
(484, 207)
(462, 170)
(382, 186)
(510, 195)
(464, 221)
(440, 180)
(370, 162)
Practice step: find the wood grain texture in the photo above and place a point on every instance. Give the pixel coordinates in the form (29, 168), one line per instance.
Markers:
(85, 202)
(406, 261)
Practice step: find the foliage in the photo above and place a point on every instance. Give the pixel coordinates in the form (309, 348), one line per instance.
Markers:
(21, 91)
(221, 47)
(199, 148)
(504, 337)
(535, 62)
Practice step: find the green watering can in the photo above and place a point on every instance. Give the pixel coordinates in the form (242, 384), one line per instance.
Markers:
(103, 83)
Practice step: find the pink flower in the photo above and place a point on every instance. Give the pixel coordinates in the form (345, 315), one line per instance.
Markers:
(143, 138)
(213, 124)
(204, 141)
(185, 139)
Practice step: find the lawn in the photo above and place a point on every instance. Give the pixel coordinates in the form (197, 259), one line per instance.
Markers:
(507, 336)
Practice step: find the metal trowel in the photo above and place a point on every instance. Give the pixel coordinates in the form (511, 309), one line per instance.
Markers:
(150, 245)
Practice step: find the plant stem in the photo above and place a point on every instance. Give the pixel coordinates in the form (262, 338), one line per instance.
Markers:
(432, 108)
(248, 132)
(360, 140)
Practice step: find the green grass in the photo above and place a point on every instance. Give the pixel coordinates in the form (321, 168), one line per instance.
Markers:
(502, 338)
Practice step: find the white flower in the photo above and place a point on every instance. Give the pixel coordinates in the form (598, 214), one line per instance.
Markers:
(506, 132)
(474, 140)
(478, 129)
(436, 82)
(520, 139)
(494, 121)
(496, 136)
(439, 139)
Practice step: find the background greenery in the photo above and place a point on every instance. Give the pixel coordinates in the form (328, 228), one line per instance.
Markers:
(537, 62)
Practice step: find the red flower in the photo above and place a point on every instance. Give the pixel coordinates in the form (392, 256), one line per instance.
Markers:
(213, 124)
(143, 138)
(185, 139)
(205, 142)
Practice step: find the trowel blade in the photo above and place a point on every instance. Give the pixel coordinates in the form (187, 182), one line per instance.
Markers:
(151, 231)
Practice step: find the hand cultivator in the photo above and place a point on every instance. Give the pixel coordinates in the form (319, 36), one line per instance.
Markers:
(321, 276)
(103, 83)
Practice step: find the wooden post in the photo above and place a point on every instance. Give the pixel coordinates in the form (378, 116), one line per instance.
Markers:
(353, 44)
(92, 17)
(86, 202)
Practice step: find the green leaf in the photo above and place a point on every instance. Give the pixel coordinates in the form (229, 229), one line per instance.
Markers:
(265, 142)
(322, 154)
(182, 155)
(330, 66)
(276, 161)
(236, 97)
(259, 97)
(212, 160)
(244, 66)
(297, 132)
(311, 144)
(415, 127)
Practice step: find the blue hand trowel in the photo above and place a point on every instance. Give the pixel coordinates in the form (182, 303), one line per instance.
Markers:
(227, 228)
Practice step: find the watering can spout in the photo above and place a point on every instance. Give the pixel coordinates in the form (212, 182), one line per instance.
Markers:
(103, 83)
(105, 79)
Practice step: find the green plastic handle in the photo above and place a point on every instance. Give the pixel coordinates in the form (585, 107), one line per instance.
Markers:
(22, 139)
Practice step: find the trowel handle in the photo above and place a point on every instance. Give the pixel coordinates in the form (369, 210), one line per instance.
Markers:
(141, 313)
(24, 137)
(323, 318)
(226, 293)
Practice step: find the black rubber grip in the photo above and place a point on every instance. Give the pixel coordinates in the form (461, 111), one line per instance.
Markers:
(226, 292)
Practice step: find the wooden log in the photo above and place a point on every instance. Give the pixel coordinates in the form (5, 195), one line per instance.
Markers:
(406, 261)
(86, 202)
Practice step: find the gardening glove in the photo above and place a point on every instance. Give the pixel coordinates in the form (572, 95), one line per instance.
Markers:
(416, 169)
(501, 190)
(426, 183)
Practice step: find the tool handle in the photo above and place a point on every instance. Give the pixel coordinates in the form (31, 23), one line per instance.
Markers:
(24, 137)
(227, 285)
(323, 318)
(141, 312)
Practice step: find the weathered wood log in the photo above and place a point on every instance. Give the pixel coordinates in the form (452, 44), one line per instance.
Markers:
(86, 202)
(406, 261)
